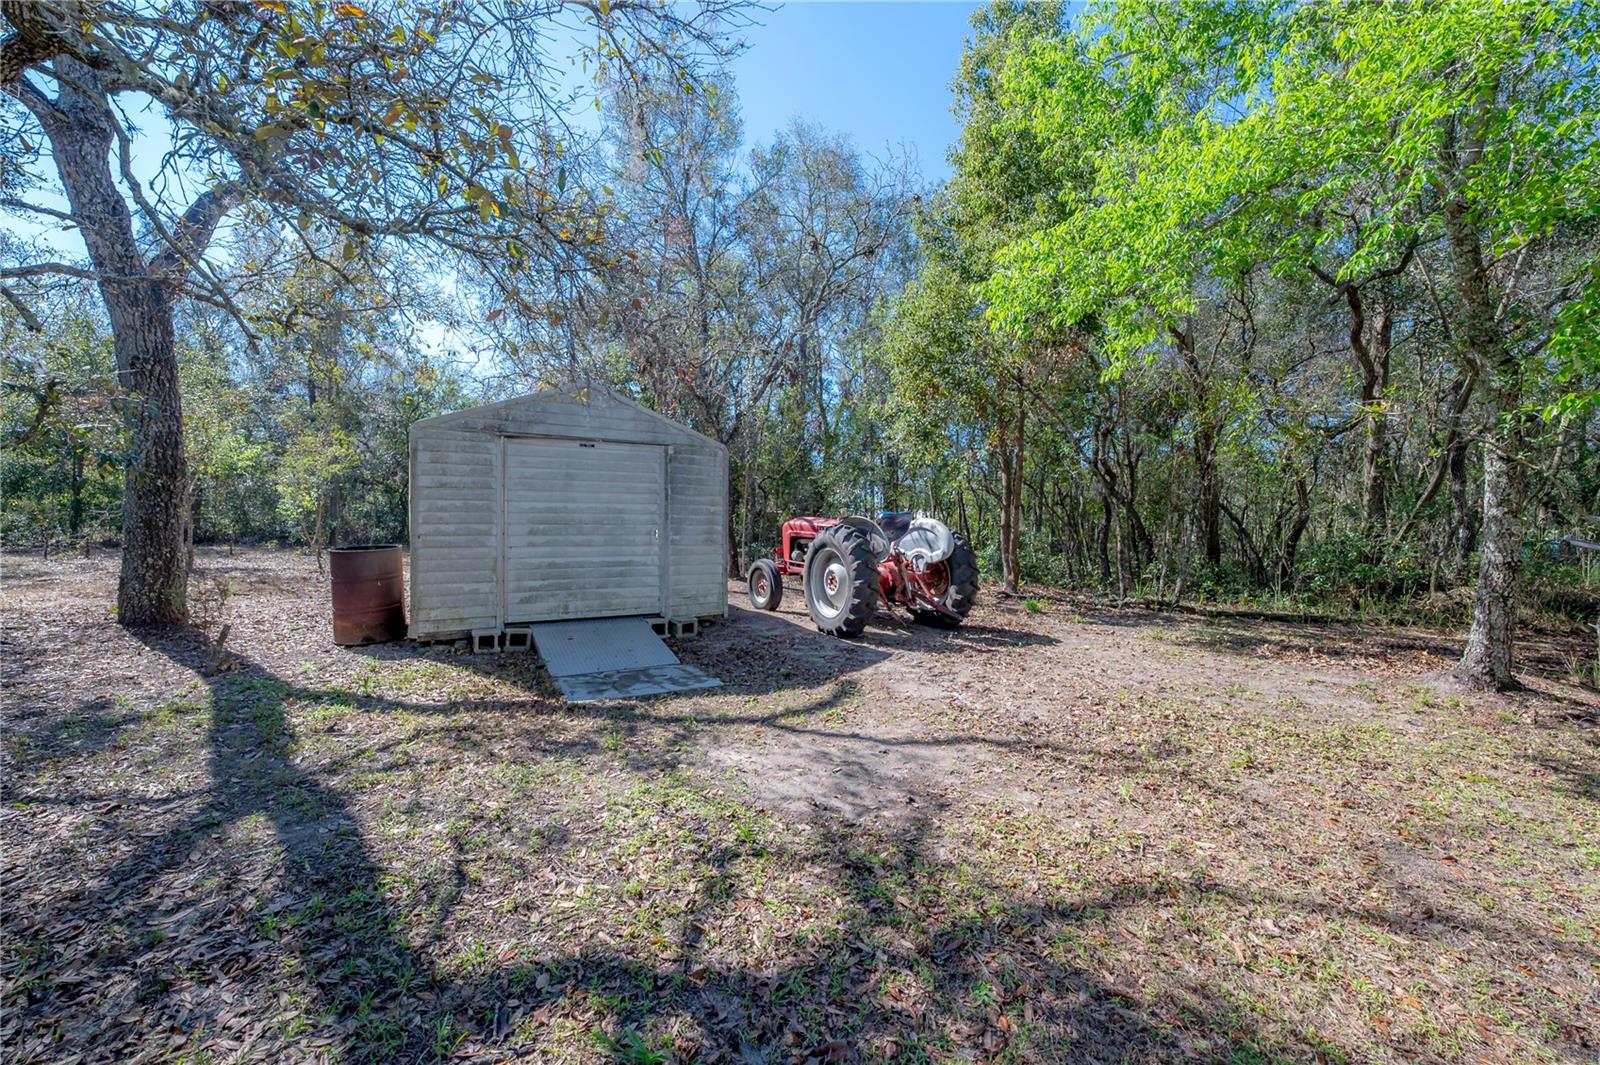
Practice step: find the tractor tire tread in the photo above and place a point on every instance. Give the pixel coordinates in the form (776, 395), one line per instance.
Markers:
(863, 580)
(963, 590)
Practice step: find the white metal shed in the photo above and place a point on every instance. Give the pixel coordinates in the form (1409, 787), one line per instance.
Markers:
(568, 503)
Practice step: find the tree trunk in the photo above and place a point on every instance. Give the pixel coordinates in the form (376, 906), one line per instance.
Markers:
(1291, 541)
(742, 560)
(1374, 397)
(152, 588)
(1206, 439)
(1103, 539)
(191, 519)
(1463, 536)
(1011, 474)
(317, 522)
(1122, 565)
(1205, 464)
(1184, 539)
(891, 482)
(75, 497)
(1486, 662)
(1016, 493)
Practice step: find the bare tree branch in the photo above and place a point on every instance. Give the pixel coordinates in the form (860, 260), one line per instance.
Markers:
(22, 205)
(24, 312)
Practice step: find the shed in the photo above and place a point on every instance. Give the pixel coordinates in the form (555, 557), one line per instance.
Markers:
(564, 504)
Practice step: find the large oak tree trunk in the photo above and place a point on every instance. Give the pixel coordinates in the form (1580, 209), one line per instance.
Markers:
(152, 588)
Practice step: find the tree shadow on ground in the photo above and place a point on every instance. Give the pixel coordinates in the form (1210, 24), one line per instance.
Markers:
(778, 677)
(917, 953)
(1579, 779)
(325, 903)
(665, 732)
(754, 652)
(91, 727)
(1542, 654)
(1334, 641)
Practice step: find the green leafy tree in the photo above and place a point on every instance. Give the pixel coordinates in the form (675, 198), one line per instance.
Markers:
(222, 455)
(58, 406)
(310, 465)
(944, 353)
(1260, 132)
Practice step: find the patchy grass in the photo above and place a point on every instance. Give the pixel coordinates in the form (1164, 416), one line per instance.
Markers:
(1036, 839)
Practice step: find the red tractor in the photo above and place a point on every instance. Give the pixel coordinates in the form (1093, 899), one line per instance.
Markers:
(847, 566)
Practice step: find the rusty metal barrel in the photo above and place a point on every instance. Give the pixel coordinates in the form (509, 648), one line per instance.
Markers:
(369, 594)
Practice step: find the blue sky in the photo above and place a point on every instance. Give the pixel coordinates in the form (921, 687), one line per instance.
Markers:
(879, 71)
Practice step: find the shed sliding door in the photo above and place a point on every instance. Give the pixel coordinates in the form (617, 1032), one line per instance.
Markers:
(584, 529)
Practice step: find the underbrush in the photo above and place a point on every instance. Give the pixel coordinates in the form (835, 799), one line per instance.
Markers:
(1341, 581)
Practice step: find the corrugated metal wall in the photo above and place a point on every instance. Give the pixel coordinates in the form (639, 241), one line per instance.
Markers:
(513, 519)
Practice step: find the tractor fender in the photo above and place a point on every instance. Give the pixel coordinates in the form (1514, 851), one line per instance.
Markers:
(927, 541)
(877, 539)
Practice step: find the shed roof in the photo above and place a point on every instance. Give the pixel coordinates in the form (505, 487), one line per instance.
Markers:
(580, 392)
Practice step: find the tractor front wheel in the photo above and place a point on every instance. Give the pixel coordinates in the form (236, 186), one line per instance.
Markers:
(841, 581)
(961, 587)
(766, 585)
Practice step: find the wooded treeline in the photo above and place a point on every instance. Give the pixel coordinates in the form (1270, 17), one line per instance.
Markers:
(1222, 299)
(1310, 219)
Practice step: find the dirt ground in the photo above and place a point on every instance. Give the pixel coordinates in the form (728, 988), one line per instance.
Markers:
(1070, 833)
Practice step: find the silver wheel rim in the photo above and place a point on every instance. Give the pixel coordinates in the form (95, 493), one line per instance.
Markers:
(828, 582)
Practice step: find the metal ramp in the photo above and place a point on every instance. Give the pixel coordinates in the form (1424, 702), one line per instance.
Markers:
(612, 658)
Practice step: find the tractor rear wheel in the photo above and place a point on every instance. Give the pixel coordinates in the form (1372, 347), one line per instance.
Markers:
(960, 592)
(841, 581)
(766, 585)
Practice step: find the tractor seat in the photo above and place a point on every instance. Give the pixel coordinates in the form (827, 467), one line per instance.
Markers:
(896, 523)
